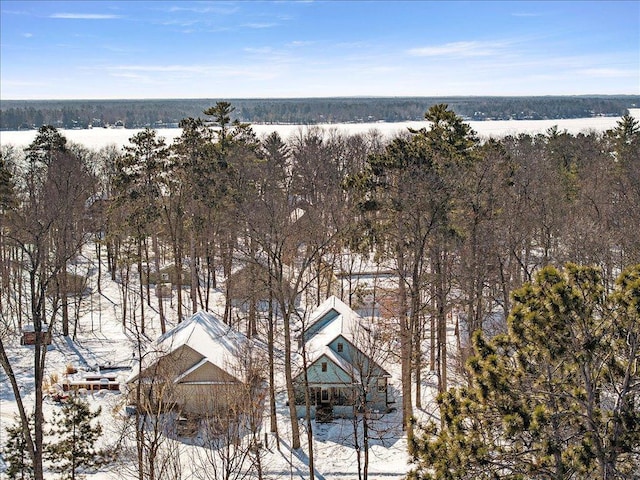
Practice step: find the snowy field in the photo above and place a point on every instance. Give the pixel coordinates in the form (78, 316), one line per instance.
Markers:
(103, 341)
(101, 137)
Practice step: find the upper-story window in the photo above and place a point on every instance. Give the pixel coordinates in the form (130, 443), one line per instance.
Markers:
(340, 347)
(324, 366)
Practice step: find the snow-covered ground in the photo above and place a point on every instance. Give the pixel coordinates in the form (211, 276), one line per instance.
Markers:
(102, 341)
(101, 137)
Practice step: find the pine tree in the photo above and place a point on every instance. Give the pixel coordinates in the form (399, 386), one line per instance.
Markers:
(556, 397)
(7, 189)
(15, 453)
(77, 436)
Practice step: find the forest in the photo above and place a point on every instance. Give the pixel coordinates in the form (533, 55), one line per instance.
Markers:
(531, 240)
(167, 113)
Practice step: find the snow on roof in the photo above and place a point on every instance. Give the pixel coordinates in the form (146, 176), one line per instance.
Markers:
(204, 332)
(30, 328)
(330, 319)
(296, 214)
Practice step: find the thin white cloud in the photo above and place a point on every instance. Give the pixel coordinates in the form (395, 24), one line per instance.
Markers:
(352, 45)
(179, 23)
(85, 16)
(166, 74)
(459, 49)
(217, 9)
(120, 49)
(607, 72)
(15, 12)
(162, 68)
(523, 14)
(260, 50)
(300, 43)
(132, 76)
(23, 83)
(259, 25)
(27, 35)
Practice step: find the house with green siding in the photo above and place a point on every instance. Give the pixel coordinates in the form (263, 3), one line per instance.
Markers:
(342, 375)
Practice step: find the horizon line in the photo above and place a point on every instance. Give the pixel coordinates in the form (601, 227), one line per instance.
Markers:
(363, 97)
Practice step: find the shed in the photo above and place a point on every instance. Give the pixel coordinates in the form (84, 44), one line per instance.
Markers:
(30, 336)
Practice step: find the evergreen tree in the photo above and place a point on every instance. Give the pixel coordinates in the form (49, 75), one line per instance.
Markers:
(556, 397)
(77, 434)
(408, 201)
(137, 196)
(7, 193)
(15, 453)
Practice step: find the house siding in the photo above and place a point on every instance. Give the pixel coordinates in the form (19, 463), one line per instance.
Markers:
(333, 375)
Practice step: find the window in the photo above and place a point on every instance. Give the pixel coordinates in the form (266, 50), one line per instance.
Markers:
(382, 385)
(324, 366)
(340, 347)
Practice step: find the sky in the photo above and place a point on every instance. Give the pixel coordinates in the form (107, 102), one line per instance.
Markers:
(290, 49)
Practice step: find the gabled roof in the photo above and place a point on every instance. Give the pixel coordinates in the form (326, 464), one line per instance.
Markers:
(333, 319)
(201, 365)
(215, 341)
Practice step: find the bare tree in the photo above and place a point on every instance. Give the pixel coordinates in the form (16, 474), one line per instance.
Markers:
(54, 188)
(230, 447)
(154, 396)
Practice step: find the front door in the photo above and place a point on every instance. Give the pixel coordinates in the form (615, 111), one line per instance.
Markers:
(324, 395)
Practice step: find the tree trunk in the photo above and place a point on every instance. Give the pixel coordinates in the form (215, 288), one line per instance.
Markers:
(194, 272)
(307, 412)
(159, 292)
(272, 377)
(147, 270)
(177, 258)
(295, 432)
(99, 257)
(406, 347)
(142, 326)
(65, 301)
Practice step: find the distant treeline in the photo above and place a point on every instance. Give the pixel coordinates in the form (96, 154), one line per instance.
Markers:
(27, 114)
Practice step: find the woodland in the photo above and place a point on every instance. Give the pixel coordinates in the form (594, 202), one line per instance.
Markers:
(167, 113)
(532, 240)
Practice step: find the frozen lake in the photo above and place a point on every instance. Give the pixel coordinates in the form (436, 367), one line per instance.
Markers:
(101, 137)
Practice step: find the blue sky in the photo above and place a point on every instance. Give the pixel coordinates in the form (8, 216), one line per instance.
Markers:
(252, 49)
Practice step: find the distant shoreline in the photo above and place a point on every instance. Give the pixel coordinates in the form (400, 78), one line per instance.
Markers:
(101, 137)
(167, 113)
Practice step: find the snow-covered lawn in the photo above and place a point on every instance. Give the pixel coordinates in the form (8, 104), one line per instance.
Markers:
(103, 346)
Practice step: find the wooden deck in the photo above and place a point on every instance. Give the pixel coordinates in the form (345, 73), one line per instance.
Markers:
(91, 384)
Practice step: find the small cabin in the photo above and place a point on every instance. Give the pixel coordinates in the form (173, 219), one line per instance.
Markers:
(29, 335)
(169, 274)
